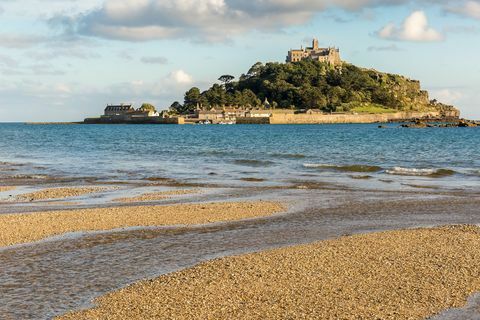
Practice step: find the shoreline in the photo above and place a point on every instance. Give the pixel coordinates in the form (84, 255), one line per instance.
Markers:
(31, 227)
(288, 119)
(341, 278)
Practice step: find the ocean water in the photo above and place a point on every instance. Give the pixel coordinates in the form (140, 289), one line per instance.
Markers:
(342, 154)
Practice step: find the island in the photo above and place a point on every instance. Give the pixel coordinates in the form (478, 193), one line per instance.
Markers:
(313, 86)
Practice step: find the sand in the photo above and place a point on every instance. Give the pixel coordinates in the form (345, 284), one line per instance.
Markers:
(30, 227)
(58, 193)
(6, 189)
(410, 274)
(154, 196)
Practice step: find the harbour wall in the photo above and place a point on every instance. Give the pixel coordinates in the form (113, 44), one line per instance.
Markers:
(122, 120)
(278, 118)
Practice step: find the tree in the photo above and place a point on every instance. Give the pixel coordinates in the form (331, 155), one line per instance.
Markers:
(148, 107)
(227, 81)
(255, 70)
(193, 98)
(176, 107)
(216, 95)
(249, 98)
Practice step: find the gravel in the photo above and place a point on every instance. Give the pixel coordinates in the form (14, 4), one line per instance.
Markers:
(30, 227)
(58, 193)
(154, 196)
(410, 274)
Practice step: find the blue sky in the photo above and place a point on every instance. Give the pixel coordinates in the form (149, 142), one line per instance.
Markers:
(64, 60)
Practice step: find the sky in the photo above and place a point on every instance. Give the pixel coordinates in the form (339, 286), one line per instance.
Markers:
(64, 60)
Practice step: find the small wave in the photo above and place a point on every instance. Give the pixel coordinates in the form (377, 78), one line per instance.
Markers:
(348, 168)
(475, 173)
(11, 164)
(213, 153)
(289, 156)
(435, 173)
(253, 163)
(252, 179)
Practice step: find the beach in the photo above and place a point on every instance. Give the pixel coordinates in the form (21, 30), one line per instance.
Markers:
(25, 228)
(409, 274)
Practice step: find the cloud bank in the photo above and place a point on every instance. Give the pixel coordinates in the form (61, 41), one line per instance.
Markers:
(211, 20)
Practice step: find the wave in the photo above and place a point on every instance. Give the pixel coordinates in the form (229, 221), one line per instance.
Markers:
(347, 168)
(253, 163)
(289, 156)
(213, 153)
(28, 177)
(475, 173)
(430, 172)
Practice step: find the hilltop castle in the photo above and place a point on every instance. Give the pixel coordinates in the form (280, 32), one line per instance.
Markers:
(328, 55)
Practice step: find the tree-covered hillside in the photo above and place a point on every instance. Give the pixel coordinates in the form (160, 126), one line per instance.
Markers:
(313, 85)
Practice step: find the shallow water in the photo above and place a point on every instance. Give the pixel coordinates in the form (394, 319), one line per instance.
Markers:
(227, 154)
(46, 279)
(470, 312)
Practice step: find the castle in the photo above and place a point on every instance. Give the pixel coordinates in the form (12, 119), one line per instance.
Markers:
(328, 55)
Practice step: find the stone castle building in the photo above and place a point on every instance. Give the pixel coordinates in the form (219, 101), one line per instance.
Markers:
(328, 55)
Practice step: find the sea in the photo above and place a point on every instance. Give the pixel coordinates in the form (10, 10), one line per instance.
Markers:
(352, 155)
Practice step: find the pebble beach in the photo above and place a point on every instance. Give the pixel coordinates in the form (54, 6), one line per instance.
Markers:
(409, 274)
(25, 228)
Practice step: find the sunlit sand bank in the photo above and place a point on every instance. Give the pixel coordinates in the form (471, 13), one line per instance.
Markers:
(154, 196)
(411, 274)
(25, 228)
(58, 193)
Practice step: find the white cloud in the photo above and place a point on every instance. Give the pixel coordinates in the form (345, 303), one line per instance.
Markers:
(181, 77)
(448, 96)
(470, 9)
(172, 85)
(414, 28)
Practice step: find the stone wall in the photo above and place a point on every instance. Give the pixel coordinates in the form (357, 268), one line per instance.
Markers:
(348, 118)
(146, 120)
(253, 120)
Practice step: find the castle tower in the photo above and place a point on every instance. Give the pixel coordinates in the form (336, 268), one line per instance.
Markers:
(315, 44)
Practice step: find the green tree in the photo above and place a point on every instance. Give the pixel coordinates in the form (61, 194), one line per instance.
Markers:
(176, 107)
(216, 95)
(148, 107)
(193, 98)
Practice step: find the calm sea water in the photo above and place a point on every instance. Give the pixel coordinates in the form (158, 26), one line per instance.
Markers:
(228, 154)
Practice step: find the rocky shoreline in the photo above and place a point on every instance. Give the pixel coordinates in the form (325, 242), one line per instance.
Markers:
(437, 123)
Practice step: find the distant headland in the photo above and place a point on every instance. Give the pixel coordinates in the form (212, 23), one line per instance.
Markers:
(313, 86)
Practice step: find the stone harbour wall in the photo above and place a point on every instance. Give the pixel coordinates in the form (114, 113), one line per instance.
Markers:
(349, 118)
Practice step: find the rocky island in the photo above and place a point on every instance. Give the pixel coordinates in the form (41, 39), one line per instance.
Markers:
(313, 86)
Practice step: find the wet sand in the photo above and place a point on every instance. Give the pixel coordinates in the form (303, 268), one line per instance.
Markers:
(58, 193)
(154, 196)
(410, 274)
(25, 228)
